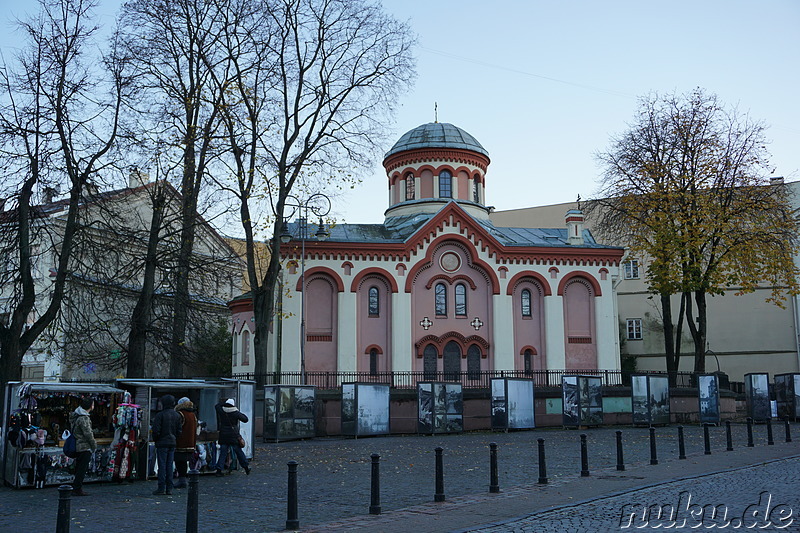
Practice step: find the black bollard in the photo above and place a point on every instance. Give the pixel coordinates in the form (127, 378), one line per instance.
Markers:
(750, 443)
(653, 457)
(620, 462)
(62, 520)
(770, 440)
(706, 440)
(438, 496)
(192, 505)
(292, 521)
(788, 429)
(542, 464)
(494, 483)
(681, 445)
(728, 436)
(375, 486)
(584, 457)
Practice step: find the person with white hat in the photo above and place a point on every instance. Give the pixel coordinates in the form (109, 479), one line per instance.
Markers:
(228, 418)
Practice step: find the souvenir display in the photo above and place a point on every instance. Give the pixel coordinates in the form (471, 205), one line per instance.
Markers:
(582, 398)
(756, 389)
(650, 399)
(787, 395)
(37, 416)
(440, 407)
(512, 403)
(708, 394)
(365, 409)
(289, 412)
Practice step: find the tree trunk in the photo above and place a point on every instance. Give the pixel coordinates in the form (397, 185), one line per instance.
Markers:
(669, 345)
(140, 320)
(263, 307)
(700, 336)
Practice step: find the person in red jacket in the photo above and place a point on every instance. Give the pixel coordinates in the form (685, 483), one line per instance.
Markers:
(186, 441)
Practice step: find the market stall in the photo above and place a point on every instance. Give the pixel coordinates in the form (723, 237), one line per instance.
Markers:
(289, 412)
(204, 395)
(440, 407)
(35, 416)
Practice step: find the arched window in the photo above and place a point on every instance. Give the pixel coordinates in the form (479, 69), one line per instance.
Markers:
(235, 348)
(476, 190)
(373, 362)
(410, 190)
(445, 184)
(429, 357)
(461, 300)
(527, 361)
(440, 299)
(474, 362)
(245, 347)
(451, 361)
(374, 302)
(525, 300)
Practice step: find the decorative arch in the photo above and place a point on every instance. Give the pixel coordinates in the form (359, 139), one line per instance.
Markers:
(466, 244)
(579, 275)
(373, 347)
(451, 280)
(526, 348)
(374, 271)
(514, 281)
(439, 342)
(603, 273)
(337, 281)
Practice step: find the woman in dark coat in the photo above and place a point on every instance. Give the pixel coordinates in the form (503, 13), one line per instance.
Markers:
(228, 418)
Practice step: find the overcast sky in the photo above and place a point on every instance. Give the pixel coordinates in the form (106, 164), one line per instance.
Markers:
(543, 84)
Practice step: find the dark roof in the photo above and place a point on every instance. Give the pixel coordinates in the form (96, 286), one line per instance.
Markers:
(437, 135)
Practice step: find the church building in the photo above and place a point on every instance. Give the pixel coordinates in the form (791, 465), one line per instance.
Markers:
(437, 288)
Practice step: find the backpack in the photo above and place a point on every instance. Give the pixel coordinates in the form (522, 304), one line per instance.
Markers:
(70, 446)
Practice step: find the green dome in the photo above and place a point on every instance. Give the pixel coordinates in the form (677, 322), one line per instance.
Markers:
(437, 135)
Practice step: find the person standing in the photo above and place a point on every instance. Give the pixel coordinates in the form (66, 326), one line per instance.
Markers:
(166, 429)
(228, 418)
(85, 445)
(186, 441)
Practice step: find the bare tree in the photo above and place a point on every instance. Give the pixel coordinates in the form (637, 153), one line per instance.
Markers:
(687, 188)
(309, 88)
(58, 120)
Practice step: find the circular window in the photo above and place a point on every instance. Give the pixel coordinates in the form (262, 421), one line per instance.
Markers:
(450, 262)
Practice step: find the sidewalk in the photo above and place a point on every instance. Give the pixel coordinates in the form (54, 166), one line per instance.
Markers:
(334, 481)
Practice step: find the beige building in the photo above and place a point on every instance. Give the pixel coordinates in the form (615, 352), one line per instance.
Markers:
(745, 333)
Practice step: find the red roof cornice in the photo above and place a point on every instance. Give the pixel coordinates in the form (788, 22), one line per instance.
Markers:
(424, 155)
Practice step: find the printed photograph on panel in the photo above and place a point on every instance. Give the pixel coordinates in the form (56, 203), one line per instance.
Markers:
(758, 396)
(455, 399)
(304, 428)
(708, 390)
(797, 395)
(569, 393)
(424, 407)
(304, 403)
(373, 409)
(499, 419)
(439, 398)
(639, 401)
(594, 388)
(269, 405)
(520, 404)
(659, 400)
(455, 424)
(285, 405)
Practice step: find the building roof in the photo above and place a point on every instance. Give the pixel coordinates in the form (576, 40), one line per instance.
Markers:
(437, 135)
(401, 228)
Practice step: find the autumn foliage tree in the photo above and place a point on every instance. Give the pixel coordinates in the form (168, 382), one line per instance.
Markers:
(687, 188)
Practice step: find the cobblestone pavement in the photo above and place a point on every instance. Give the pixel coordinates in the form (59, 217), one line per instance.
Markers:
(334, 484)
(756, 497)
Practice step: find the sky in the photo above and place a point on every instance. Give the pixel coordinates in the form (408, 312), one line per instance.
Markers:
(543, 85)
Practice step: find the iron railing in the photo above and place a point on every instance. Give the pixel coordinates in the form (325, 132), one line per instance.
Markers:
(468, 380)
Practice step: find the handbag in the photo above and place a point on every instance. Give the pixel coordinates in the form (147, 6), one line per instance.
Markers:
(239, 439)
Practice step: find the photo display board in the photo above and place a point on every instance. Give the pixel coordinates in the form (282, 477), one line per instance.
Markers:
(512, 403)
(650, 399)
(440, 407)
(756, 390)
(787, 395)
(582, 398)
(365, 409)
(289, 412)
(708, 394)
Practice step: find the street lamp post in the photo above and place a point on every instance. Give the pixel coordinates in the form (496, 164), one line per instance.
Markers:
(319, 205)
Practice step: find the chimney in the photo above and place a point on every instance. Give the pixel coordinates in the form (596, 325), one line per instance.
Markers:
(49, 194)
(137, 178)
(574, 220)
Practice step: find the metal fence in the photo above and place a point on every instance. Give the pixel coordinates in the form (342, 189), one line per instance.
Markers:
(468, 380)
